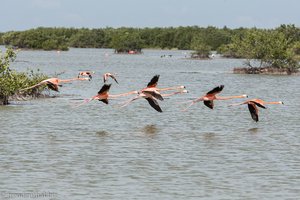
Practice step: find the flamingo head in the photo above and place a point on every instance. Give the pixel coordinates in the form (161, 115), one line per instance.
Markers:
(184, 91)
(280, 102)
(245, 96)
(182, 87)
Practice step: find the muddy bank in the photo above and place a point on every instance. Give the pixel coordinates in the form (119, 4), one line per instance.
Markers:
(20, 97)
(264, 70)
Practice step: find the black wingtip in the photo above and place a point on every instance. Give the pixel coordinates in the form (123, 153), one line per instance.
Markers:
(153, 81)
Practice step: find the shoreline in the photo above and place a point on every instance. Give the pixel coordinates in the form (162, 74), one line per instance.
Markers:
(264, 71)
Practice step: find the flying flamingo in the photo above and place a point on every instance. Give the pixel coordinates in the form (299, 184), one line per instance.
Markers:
(86, 73)
(180, 88)
(153, 84)
(209, 98)
(252, 103)
(53, 83)
(174, 93)
(149, 93)
(103, 95)
(107, 75)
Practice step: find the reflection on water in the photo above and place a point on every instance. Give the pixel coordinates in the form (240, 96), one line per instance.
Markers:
(253, 130)
(100, 152)
(102, 133)
(150, 129)
(209, 136)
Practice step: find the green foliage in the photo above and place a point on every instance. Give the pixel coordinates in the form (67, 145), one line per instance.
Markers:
(86, 38)
(40, 38)
(164, 38)
(11, 81)
(202, 50)
(272, 48)
(296, 48)
(125, 40)
(1, 40)
(276, 48)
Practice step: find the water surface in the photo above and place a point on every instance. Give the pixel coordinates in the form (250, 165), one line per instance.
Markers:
(102, 151)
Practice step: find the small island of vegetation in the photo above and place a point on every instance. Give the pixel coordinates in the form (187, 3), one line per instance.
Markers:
(266, 51)
(12, 81)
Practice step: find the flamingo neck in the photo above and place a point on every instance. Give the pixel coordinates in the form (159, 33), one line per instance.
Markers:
(171, 88)
(231, 97)
(123, 94)
(274, 102)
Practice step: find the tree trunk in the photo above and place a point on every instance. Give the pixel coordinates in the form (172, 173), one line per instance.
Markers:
(4, 100)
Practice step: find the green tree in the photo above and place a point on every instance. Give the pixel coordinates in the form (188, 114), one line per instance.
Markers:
(201, 49)
(11, 81)
(270, 47)
(124, 41)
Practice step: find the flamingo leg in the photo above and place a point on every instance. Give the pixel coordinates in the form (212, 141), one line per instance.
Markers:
(192, 103)
(188, 106)
(84, 102)
(236, 104)
(129, 101)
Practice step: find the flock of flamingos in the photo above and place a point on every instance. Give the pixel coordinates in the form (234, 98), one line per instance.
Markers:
(152, 93)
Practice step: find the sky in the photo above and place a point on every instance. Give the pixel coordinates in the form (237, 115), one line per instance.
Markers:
(26, 14)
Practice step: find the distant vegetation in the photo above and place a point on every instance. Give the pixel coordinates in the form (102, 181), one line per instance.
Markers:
(119, 38)
(272, 48)
(266, 51)
(11, 81)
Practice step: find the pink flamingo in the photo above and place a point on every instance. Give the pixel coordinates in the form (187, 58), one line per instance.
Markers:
(53, 83)
(252, 103)
(107, 75)
(209, 98)
(151, 93)
(86, 73)
(103, 95)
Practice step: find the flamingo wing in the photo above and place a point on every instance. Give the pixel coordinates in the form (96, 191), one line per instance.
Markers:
(253, 111)
(104, 100)
(105, 88)
(155, 94)
(153, 81)
(209, 104)
(258, 104)
(154, 104)
(216, 90)
(52, 86)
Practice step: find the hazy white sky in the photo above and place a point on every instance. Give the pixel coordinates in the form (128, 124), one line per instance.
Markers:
(26, 14)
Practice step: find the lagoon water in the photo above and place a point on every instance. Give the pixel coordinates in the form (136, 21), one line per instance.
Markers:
(100, 151)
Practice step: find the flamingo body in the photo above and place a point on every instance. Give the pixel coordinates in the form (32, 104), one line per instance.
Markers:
(85, 73)
(210, 96)
(252, 106)
(103, 94)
